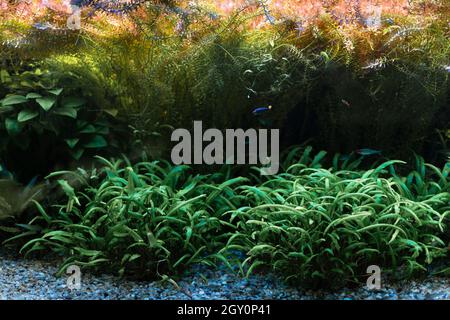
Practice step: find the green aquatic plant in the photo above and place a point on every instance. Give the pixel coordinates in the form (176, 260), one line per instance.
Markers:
(320, 220)
(148, 219)
(361, 79)
(42, 115)
(310, 224)
(326, 226)
(346, 87)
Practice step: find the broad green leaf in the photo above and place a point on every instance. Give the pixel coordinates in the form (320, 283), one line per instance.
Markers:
(33, 95)
(72, 142)
(77, 154)
(68, 112)
(56, 92)
(26, 84)
(103, 130)
(26, 115)
(88, 129)
(112, 112)
(46, 102)
(96, 142)
(73, 102)
(12, 126)
(14, 99)
(4, 76)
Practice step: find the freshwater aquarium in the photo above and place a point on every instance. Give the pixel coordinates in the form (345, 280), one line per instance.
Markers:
(224, 150)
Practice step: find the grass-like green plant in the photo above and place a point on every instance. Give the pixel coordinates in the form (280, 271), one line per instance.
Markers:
(310, 224)
(147, 219)
(326, 226)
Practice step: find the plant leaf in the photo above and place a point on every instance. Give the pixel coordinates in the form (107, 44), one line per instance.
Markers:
(14, 99)
(73, 102)
(72, 142)
(26, 115)
(33, 95)
(77, 154)
(56, 92)
(46, 102)
(97, 142)
(12, 126)
(68, 112)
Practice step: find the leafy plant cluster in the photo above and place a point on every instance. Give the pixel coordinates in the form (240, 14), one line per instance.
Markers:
(310, 224)
(347, 87)
(45, 117)
(326, 226)
(149, 218)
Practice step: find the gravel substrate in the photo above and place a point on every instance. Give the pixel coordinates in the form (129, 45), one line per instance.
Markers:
(22, 279)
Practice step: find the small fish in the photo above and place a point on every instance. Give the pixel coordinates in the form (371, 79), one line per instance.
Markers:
(42, 26)
(345, 102)
(271, 19)
(299, 28)
(367, 152)
(213, 16)
(181, 26)
(259, 111)
(447, 68)
(78, 3)
(374, 65)
(389, 21)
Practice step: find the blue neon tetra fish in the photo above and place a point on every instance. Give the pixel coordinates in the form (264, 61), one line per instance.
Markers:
(43, 26)
(368, 152)
(259, 111)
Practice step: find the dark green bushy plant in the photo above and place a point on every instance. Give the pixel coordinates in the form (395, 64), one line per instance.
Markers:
(43, 117)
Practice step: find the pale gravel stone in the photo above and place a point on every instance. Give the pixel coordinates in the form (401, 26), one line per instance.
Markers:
(22, 279)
